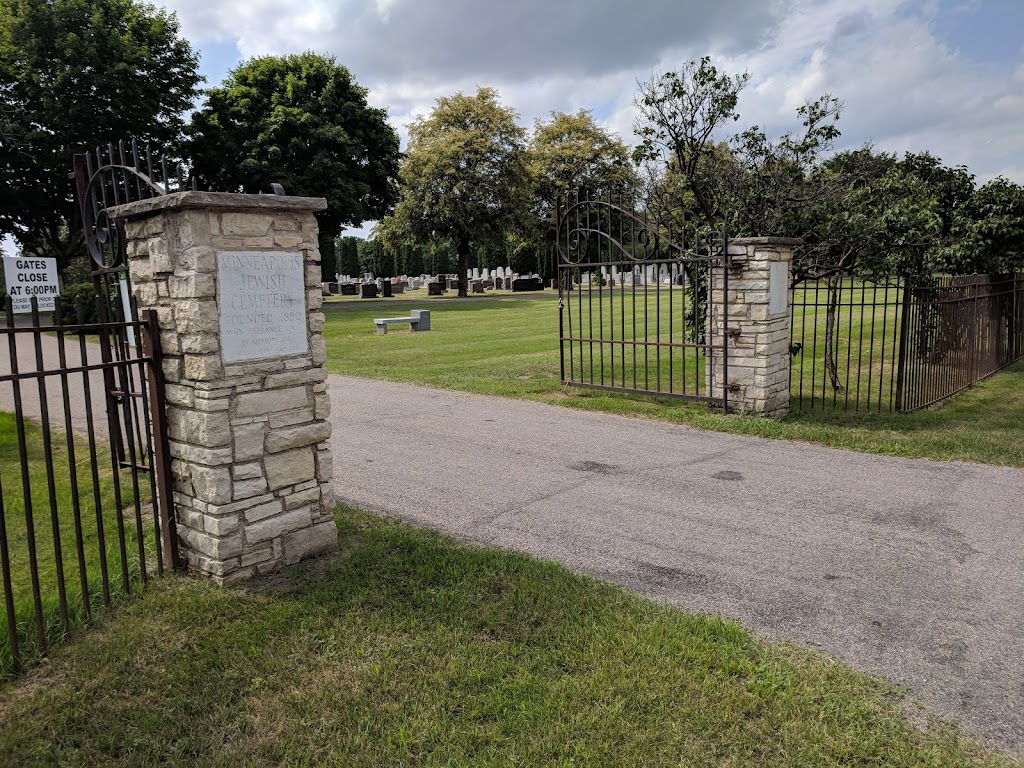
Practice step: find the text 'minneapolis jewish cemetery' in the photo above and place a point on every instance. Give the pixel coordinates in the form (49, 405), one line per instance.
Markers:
(262, 305)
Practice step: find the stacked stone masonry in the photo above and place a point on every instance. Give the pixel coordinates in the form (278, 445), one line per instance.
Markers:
(251, 462)
(758, 359)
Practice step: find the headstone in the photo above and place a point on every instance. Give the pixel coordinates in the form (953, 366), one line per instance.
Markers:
(477, 286)
(435, 289)
(527, 284)
(368, 291)
(386, 289)
(349, 289)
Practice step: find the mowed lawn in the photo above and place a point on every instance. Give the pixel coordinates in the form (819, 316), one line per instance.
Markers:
(93, 567)
(509, 347)
(405, 648)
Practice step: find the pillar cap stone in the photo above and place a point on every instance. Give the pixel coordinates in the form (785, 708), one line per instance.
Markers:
(766, 241)
(226, 201)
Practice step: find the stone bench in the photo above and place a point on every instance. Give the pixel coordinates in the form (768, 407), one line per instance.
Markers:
(419, 320)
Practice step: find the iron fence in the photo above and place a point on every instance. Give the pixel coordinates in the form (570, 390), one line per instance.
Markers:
(897, 345)
(83, 514)
(956, 331)
(633, 300)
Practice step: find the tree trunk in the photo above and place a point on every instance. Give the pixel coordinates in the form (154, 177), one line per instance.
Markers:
(830, 324)
(463, 251)
(328, 257)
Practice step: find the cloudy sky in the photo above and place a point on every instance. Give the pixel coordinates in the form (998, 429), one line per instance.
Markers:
(941, 75)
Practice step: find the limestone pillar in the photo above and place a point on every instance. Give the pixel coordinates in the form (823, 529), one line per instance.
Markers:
(757, 371)
(235, 282)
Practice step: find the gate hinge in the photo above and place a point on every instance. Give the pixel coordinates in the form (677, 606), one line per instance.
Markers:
(733, 333)
(732, 388)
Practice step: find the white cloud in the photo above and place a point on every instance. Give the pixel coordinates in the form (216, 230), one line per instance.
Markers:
(904, 87)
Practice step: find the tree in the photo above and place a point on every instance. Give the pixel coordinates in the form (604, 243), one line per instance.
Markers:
(678, 115)
(988, 230)
(570, 153)
(302, 121)
(566, 154)
(76, 74)
(464, 176)
(348, 256)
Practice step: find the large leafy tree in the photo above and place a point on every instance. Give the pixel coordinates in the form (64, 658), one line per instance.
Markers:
(566, 154)
(464, 177)
(304, 122)
(75, 74)
(571, 152)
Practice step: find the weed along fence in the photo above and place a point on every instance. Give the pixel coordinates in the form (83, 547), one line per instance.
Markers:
(81, 431)
(897, 345)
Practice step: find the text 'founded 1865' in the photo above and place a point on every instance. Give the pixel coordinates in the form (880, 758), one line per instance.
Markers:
(262, 299)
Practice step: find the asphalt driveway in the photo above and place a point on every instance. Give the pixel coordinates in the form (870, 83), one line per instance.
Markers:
(907, 569)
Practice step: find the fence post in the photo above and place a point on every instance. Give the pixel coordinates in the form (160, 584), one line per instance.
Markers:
(901, 363)
(748, 308)
(161, 456)
(234, 283)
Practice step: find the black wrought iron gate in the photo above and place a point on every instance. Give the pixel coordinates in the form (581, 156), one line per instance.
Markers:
(635, 302)
(85, 487)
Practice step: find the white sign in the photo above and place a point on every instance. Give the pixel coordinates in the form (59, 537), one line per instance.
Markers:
(261, 296)
(778, 288)
(28, 277)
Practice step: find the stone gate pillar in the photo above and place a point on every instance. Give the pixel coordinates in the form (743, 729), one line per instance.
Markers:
(758, 319)
(235, 282)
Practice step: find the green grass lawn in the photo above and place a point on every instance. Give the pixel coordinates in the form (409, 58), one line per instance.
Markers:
(510, 348)
(404, 648)
(83, 577)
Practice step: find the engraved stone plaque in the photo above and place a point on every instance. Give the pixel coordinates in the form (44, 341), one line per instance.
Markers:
(261, 296)
(778, 288)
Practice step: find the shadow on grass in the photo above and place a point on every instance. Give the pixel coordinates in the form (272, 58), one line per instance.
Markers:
(405, 648)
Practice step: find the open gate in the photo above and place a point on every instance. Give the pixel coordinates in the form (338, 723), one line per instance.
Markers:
(634, 302)
(85, 488)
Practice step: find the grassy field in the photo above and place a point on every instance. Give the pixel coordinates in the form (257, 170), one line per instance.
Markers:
(406, 649)
(83, 577)
(510, 348)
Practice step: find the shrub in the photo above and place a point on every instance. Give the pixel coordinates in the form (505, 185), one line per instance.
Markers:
(72, 295)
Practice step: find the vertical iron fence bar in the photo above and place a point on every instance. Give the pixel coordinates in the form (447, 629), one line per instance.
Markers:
(51, 488)
(161, 453)
(901, 363)
(76, 507)
(146, 447)
(600, 297)
(590, 296)
(647, 349)
(887, 374)
(726, 267)
(580, 292)
(114, 430)
(5, 570)
(97, 497)
(622, 291)
(611, 290)
(26, 481)
(860, 345)
(849, 344)
(814, 346)
(560, 273)
(126, 407)
(882, 355)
